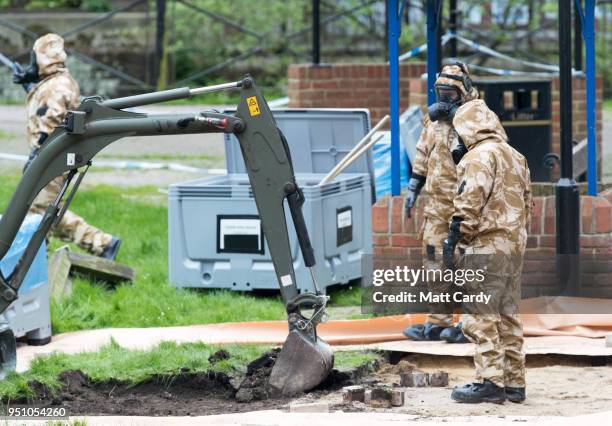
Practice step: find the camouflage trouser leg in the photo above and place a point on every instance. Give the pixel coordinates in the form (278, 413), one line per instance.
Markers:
(511, 331)
(71, 228)
(434, 233)
(489, 354)
(496, 329)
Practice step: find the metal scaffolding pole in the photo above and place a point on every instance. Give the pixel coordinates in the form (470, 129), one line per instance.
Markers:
(394, 27)
(567, 194)
(591, 95)
(316, 32)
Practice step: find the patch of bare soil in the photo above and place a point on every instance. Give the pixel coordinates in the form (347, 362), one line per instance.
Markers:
(556, 386)
(186, 394)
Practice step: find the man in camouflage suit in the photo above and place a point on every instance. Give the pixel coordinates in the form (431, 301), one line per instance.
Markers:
(435, 169)
(55, 92)
(492, 208)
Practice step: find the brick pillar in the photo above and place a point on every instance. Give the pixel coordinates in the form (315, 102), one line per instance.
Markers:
(348, 86)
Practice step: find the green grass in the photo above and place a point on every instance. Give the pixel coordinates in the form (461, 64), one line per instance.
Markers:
(135, 366)
(346, 360)
(607, 104)
(6, 135)
(132, 366)
(150, 301)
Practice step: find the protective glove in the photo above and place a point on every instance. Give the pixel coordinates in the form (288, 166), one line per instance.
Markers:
(415, 185)
(459, 151)
(26, 76)
(451, 241)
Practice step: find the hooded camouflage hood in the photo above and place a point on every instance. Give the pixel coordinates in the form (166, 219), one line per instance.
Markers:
(456, 70)
(50, 54)
(474, 122)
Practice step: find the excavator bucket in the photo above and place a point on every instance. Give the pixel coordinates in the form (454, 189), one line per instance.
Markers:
(301, 364)
(8, 351)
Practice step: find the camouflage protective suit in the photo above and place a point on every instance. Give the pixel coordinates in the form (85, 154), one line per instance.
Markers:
(47, 105)
(433, 161)
(492, 208)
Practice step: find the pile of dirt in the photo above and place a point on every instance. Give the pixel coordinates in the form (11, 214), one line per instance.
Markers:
(183, 394)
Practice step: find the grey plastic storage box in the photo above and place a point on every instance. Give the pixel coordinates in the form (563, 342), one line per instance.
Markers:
(215, 238)
(29, 315)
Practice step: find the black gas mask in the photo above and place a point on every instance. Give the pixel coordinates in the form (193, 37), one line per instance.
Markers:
(29, 74)
(449, 100)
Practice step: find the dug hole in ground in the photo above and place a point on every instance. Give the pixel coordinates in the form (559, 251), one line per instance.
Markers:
(557, 386)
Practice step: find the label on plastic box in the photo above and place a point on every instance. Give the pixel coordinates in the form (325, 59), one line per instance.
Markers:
(344, 225)
(345, 219)
(253, 106)
(239, 234)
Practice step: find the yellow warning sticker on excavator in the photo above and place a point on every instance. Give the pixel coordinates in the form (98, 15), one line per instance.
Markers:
(253, 106)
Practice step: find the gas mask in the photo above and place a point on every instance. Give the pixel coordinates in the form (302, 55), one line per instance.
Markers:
(458, 150)
(449, 100)
(30, 74)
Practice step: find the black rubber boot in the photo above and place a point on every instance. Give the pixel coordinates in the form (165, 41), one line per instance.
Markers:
(474, 393)
(454, 335)
(515, 394)
(423, 332)
(112, 249)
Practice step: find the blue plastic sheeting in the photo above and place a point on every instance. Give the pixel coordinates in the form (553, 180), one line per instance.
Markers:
(381, 153)
(38, 273)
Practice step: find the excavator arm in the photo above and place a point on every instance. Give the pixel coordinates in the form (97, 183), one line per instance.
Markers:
(305, 360)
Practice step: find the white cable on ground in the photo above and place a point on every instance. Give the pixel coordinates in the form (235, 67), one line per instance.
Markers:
(133, 165)
(354, 153)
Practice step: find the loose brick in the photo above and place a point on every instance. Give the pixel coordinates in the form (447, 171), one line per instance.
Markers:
(353, 393)
(381, 397)
(397, 397)
(316, 407)
(438, 379)
(414, 379)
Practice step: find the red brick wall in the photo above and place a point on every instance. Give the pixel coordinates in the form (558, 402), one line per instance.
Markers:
(397, 235)
(348, 86)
